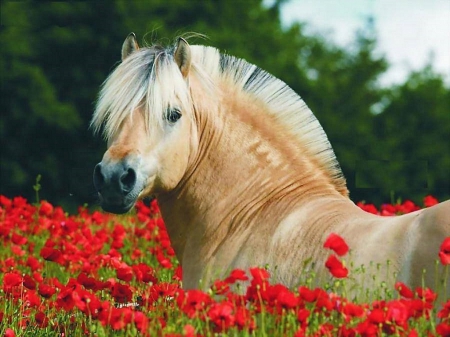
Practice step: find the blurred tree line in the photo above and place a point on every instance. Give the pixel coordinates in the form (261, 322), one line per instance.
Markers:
(55, 55)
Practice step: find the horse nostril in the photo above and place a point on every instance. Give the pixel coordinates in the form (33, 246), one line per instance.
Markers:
(128, 180)
(99, 179)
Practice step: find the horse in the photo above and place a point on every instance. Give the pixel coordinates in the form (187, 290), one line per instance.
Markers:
(243, 172)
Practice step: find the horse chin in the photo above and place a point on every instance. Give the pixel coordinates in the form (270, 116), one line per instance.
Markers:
(118, 205)
(117, 209)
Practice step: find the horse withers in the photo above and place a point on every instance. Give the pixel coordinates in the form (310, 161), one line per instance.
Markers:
(243, 172)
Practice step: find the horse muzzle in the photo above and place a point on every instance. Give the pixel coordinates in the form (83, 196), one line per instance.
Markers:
(115, 183)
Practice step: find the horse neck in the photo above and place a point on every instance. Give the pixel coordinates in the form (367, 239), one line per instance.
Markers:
(246, 164)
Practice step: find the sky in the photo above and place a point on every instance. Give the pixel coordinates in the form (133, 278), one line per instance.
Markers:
(411, 33)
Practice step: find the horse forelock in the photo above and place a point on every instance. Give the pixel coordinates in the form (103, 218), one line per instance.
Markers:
(149, 80)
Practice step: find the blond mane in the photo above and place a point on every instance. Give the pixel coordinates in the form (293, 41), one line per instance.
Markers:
(150, 79)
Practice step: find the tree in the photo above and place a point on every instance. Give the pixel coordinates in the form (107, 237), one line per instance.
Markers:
(55, 55)
(412, 135)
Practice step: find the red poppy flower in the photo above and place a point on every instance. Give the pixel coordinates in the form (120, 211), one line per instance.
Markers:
(46, 208)
(307, 294)
(388, 210)
(28, 282)
(221, 314)
(370, 208)
(141, 322)
(193, 302)
(337, 244)
(443, 329)
(125, 274)
(86, 281)
(41, 319)
(244, 319)
(11, 280)
(336, 267)
(18, 239)
(404, 290)
(50, 254)
(429, 201)
(303, 315)
(220, 287)
(444, 252)
(9, 333)
(144, 273)
(46, 291)
(65, 299)
(162, 290)
(5, 202)
(121, 293)
(407, 207)
(236, 275)
(259, 274)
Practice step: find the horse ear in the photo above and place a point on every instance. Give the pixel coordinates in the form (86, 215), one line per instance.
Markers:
(129, 46)
(183, 56)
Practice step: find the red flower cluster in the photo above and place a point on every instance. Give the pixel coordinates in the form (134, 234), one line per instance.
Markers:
(401, 208)
(120, 273)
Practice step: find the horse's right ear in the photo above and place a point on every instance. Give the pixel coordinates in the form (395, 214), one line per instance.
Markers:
(129, 46)
(182, 56)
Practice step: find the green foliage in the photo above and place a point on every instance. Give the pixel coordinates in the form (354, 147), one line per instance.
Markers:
(55, 55)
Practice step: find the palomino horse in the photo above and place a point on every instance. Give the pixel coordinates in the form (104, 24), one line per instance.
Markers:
(243, 172)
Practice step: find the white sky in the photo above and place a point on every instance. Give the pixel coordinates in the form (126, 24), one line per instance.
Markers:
(411, 33)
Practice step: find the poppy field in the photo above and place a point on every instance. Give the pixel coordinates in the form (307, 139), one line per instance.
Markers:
(98, 274)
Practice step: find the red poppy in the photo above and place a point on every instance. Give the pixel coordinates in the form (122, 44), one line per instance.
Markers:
(236, 275)
(18, 239)
(244, 319)
(370, 208)
(125, 274)
(162, 291)
(121, 293)
(86, 281)
(46, 208)
(337, 244)
(220, 287)
(141, 322)
(46, 291)
(443, 329)
(444, 313)
(388, 210)
(404, 290)
(189, 331)
(407, 207)
(193, 302)
(307, 294)
(65, 299)
(429, 201)
(444, 252)
(28, 282)
(50, 254)
(5, 202)
(144, 273)
(9, 333)
(41, 319)
(336, 267)
(11, 280)
(221, 314)
(259, 274)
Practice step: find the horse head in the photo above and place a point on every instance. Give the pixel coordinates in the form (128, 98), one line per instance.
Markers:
(145, 112)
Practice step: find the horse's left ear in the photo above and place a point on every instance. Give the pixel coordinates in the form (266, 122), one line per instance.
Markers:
(183, 56)
(129, 46)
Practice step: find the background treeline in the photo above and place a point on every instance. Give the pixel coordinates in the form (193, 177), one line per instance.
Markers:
(55, 55)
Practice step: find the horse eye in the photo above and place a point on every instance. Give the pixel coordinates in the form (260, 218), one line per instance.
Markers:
(173, 115)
